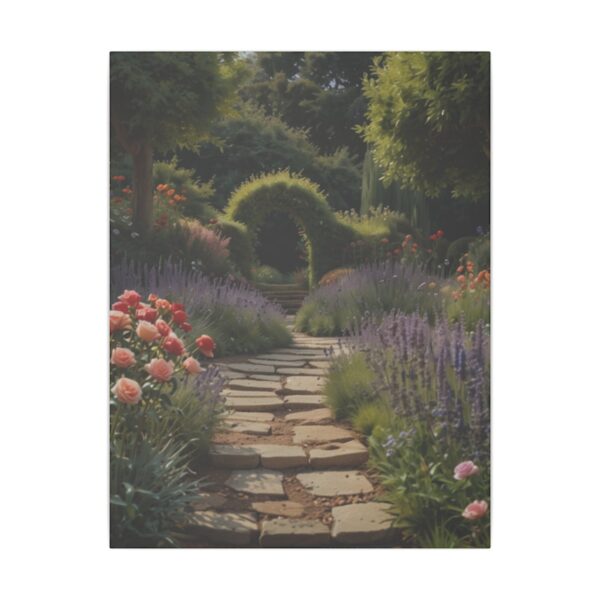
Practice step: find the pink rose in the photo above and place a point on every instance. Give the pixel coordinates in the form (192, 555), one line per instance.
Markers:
(465, 469)
(160, 369)
(122, 357)
(475, 510)
(192, 366)
(130, 297)
(163, 327)
(146, 331)
(173, 345)
(127, 391)
(118, 320)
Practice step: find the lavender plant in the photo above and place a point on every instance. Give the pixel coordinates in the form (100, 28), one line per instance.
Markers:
(371, 290)
(238, 317)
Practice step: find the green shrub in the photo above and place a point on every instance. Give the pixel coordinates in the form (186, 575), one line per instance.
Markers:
(241, 251)
(349, 386)
(251, 143)
(457, 248)
(480, 252)
(371, 416)
(149, 492)
(326, 237)
(267, 274)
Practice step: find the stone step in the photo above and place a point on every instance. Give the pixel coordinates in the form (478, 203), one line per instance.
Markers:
(262, 417)
(293, 533)
(248, 427)
(237, 529)
(366, 523)
(233, 457)
(310, 416)
(261, 482)
(279, 508)
(275, 363)
(302, 384)
(303, 401)
(335, 483)
(278, 456)
(302, 372)
(251, 368)
(311, 434)
(349, 454)
(250, 385)
(256, 404)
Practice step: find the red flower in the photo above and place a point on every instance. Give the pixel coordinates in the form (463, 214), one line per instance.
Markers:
(122, 306)
(119, 178)
(176, 306)
(173, 345)
(130, 297)
(433, 237)
(161, 303)
(206, 345)
(439, 233)
(152, 298)
(147, 314)
(163, 327)
(187, 327)
(385, 241)
(179, 317)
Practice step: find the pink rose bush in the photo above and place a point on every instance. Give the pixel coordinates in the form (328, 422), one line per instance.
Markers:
(148, 348)
(475, 510)
(465, 470)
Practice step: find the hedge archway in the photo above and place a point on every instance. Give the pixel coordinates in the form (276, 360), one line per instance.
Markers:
(255, 200)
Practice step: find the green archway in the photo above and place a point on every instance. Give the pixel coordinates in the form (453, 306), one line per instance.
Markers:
(326, 237)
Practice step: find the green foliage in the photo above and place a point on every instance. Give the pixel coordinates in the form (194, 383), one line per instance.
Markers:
(349, 386)
(198, 194)
(429, 121)
(480, 252)
(149, 492)
(372, 416)
(267, 274)
(457, 249)
(426, 499)
(255, 200)
(317, 91)
(169, 99)
(251, 143)
(377, 194)
(241, 251)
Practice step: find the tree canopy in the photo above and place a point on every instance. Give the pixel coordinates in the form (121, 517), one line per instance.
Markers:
(428, 121)
(163, 100)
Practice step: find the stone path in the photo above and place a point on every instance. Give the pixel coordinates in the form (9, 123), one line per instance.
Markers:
(282, 473)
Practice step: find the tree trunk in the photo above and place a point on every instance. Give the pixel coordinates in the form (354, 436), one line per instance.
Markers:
(142, 188)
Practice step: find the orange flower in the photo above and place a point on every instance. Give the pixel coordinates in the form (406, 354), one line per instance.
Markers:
(461, 279)
(161, 303)
(460, 269)
(470, 266)
(170, 192)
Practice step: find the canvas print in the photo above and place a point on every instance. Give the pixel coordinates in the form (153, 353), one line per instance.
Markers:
(300, 270)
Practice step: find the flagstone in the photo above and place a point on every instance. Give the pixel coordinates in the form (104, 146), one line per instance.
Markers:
(301, 372)
(250, 385)
(275, 363)
(208, 500)
(304, 434)
(303, 401)
(249, 416)
(258, 481)
(251, 368)
(279, 508)
(238, 529)
(248, 427)
(248, 394)
(234, 457)
(320, 364)
(310, 416)
(277, 456)
(335, 483)
(349, 454)
(283, 532)
(361, 523)
(300, 384)
(261, 377)
(255, 404)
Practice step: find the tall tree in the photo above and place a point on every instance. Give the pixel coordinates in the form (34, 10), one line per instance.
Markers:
(320, 92)
(163, 100)
(429, 121)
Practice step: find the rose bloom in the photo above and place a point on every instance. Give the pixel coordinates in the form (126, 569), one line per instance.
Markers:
(187, 327)
(192, 366)
(127, 391)
(118, 321)
(177, 306)
(179, 317)
(122, 357)
(160, 369)
(475, 510)
(163, 327)
(206, 345)
(162, 303)
(130, 297)
(465, 469)
(152, 298)
(173, 345)
(146, 314)
(122, 306)
(146, 331)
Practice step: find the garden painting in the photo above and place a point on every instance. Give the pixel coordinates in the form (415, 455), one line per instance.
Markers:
(300, 277)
